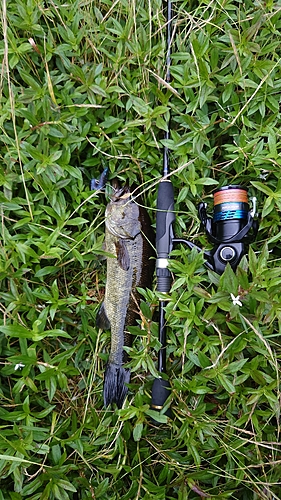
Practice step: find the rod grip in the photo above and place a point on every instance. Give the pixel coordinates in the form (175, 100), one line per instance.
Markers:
(160, 392)
(164, 280)
(165, 217)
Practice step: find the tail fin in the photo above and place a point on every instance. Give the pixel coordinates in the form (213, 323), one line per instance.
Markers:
(114, 388)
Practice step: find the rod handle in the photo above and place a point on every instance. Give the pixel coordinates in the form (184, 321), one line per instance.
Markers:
(165, 217)
(160, 392)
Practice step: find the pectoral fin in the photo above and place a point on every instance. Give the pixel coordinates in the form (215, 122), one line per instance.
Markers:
(123, 257)
(102, 320)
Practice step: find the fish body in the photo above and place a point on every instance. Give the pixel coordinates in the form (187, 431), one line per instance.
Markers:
(128, 237)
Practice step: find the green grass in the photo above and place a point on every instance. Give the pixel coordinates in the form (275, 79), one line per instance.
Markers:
(82, 88)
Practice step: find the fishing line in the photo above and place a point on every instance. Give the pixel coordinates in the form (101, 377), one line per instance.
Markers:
(160, 179)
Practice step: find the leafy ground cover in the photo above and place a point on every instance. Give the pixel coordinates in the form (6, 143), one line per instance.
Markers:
(82, 88)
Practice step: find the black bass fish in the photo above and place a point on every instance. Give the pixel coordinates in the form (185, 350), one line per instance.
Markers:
(128, 236)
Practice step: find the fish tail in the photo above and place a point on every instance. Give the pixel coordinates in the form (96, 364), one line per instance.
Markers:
(115, 389)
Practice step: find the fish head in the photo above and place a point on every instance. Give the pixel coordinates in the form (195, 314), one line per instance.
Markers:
(120, 193)
(122, 214)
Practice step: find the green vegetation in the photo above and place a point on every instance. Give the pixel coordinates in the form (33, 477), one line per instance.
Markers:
(82, 88)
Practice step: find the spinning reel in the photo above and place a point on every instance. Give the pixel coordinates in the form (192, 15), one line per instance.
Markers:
(232, 227)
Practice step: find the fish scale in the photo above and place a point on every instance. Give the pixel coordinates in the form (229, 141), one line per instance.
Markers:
(121, 299)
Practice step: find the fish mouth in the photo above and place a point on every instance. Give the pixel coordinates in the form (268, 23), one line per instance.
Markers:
(120, 192)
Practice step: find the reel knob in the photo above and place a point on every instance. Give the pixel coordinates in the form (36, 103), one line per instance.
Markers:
(227, 254)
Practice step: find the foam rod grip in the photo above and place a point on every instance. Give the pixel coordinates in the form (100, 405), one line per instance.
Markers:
(160, 392)
(165, 217)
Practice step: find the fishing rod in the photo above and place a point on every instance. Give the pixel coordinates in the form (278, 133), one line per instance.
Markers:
(165, 218)
(230, 229)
